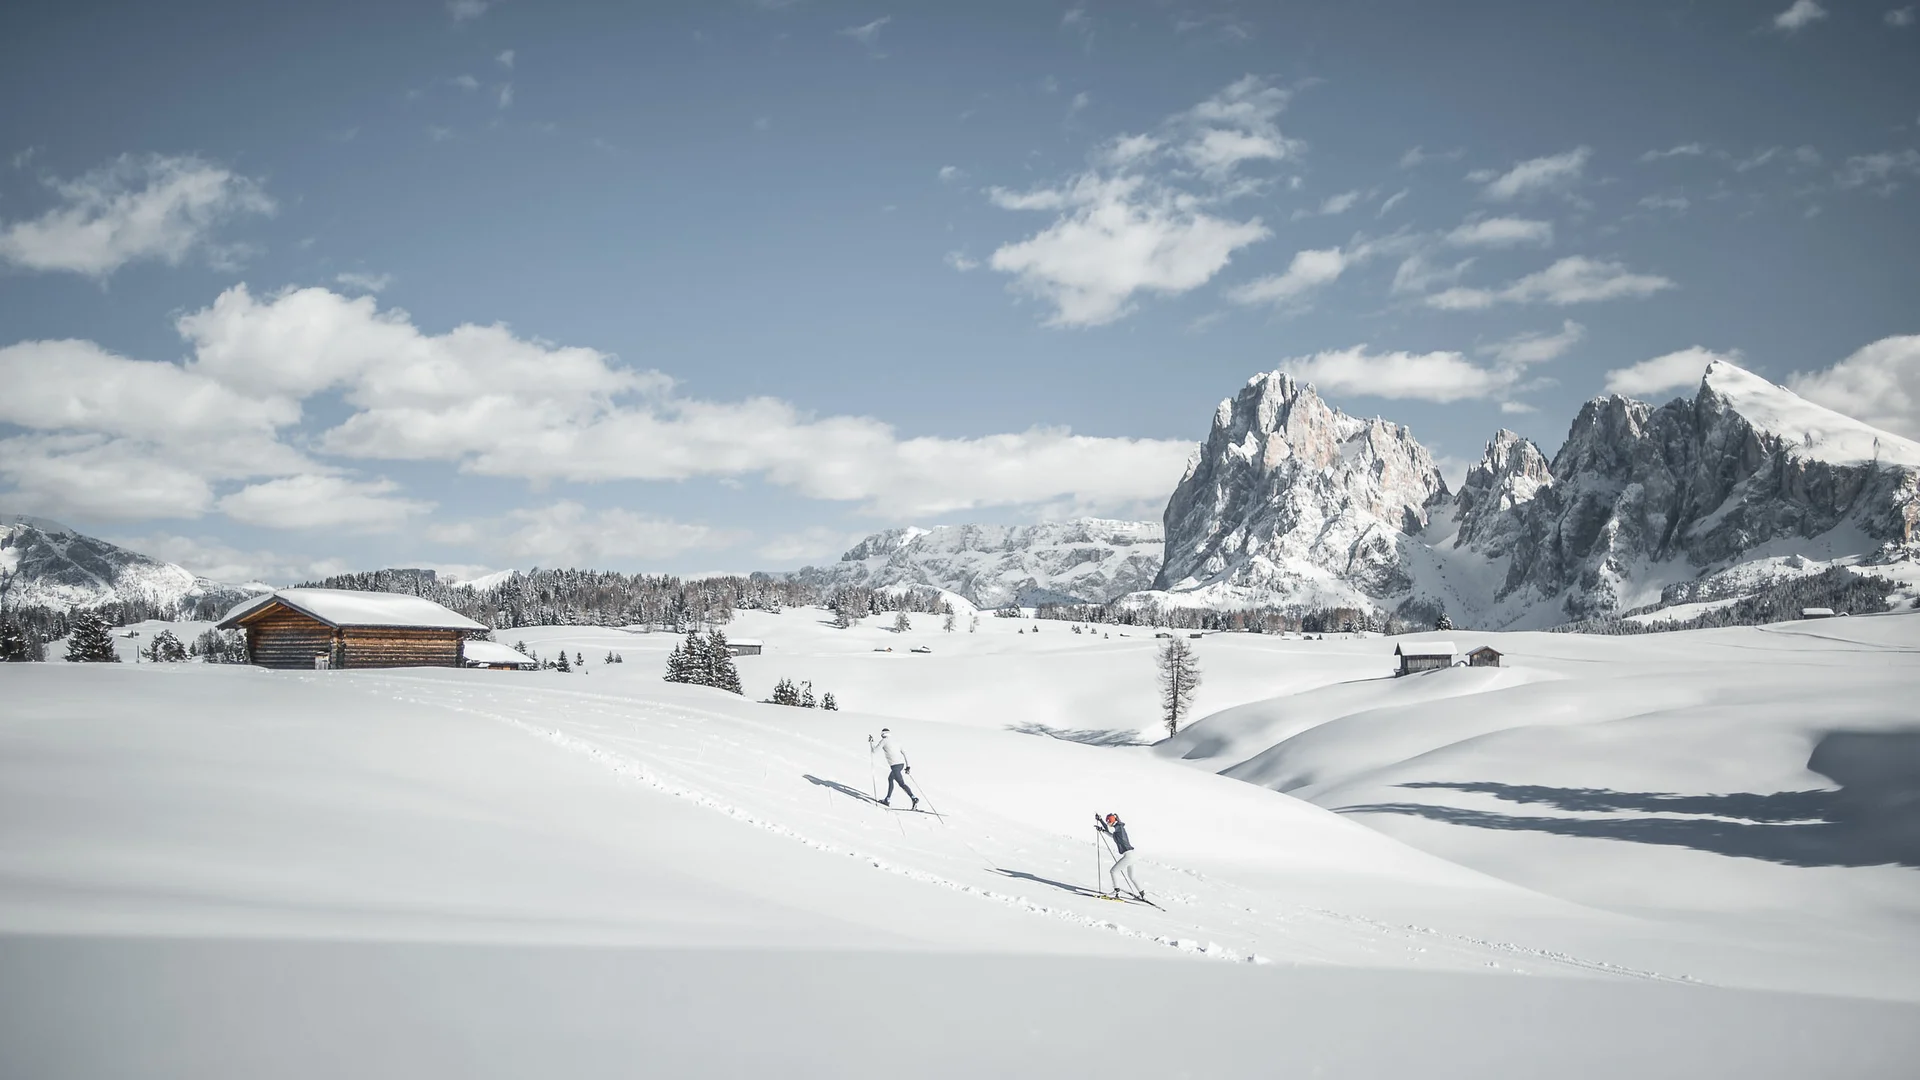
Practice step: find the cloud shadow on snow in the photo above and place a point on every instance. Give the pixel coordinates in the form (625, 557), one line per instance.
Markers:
(1871, 819)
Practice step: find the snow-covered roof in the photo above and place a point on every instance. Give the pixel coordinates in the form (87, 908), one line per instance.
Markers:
(346, 607)
(1816, 611)
(1425, 648)
(754, 641)
(492, 652)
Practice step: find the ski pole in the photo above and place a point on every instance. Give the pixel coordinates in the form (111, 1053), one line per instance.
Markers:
(873, 785)
(1096, 863)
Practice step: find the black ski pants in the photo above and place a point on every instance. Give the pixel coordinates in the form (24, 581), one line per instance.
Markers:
(898, 775)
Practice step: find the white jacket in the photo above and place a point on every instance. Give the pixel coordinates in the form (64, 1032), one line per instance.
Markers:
(894, 754)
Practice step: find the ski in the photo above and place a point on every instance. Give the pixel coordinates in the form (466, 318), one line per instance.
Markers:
(1131, 900)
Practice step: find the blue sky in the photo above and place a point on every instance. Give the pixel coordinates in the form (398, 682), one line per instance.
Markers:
(287, 289)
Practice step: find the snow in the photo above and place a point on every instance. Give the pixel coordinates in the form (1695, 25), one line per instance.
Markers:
(491, 652)
(345, 607)
(1810, 431)
(451, 872)
(1426, 648)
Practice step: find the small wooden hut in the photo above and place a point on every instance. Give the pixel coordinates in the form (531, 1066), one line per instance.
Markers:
(309, 628)
(495, 657)
(1424, 656)
(745, 646)
(1816, 613)
(1484, 656)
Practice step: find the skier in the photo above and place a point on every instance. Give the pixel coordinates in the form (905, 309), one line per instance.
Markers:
(1122, 866)
(897, 767)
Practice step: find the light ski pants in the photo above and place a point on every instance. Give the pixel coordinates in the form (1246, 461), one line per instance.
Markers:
(898, 775)
(1123, 872)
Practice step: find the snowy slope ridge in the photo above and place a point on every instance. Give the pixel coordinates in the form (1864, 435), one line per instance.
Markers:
(1085, 560)
(1290, 501)
(53, 566)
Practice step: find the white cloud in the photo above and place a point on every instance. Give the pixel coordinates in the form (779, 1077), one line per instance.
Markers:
(439, 134)
(1418, 156)
(1757, 159)
(463, 10)
(1392, 201)
(1502, 232)
(1676, 203)
(1878, 169)
(814, 544)
(1879, 384)
(1235, 126)
(1673, 371)
(323, 502)
(1900, 17)
(505, 97)
(1080, 101)
(1573, 280)
(1536, 347)
(353, 279)
(959, 261)
(1309, 271)
(1417, 274)
(1684, 150)
(505, 59)
(1536, 176)
(93, 477)
(212, 558)
(152, 208)
(465, 82)
(867, 34)
(1441, 377)
(1334, 205)
(951, 174)
(566, 533)
(1799, 16)
(1117, 237)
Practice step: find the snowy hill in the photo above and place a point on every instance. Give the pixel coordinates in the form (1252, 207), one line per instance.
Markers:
(53, 566)
(1293, 502)
(484, 873)
(1085, 560)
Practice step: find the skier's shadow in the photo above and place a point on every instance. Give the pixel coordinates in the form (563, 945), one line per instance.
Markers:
(1078, 890)
(834, 785)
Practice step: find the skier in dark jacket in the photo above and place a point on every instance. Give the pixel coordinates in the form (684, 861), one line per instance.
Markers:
(1122, 866)
(897, 767)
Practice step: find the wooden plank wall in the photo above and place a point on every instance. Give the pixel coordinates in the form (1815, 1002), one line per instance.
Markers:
(373, 647)
(287, 639)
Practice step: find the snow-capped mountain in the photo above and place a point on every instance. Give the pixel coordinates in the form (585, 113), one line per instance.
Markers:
(1292, 501)
(49, 565)
(1086, 560)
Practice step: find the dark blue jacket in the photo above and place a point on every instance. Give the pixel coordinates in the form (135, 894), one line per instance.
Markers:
(1119, 833)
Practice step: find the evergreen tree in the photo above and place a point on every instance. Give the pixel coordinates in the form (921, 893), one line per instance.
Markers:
(721, 674)
(166, 649)
(784, 693)
(901, 624)
(687, 662)
(91, 641)
(579, 660)
(827, 703)
(1443, 623)
(947, 623)
(806, 696)
(562, 664)
(15, 647)
(841, 620)
(1179, 678)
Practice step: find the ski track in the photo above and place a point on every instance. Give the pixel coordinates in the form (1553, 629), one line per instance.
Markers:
(1309, 946)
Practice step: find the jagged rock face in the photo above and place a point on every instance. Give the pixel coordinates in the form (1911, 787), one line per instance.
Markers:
(50, 565)
(1510, 474)
(1087, 560)
(1289, 495)
(1698, 485)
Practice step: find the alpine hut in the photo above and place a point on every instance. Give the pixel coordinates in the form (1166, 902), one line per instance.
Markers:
(314, 628)
(1424, 656)
(495, 657)
(1484, 656)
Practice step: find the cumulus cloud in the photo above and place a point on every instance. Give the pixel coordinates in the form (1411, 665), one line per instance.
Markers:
(1536, 176)
(1502, 232)
(216, 559)
(1333, 205)
(1900, 17)
(463, 10)
(1537, 347)
(1117, 237)
(1309, 270)
(97, 478)
(156, 208)
(505, 58)
(567, 533)
(1881, 169)
(1693, 149)
(1680, 370)
(1419, 156)
(1576, 279)
(1240, 124)
(1800, 15)
(1441, 377)
(1418, 273)
(323, 502)
(1879, 384)
(354, 279)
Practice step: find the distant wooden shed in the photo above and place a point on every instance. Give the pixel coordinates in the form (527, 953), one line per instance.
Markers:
(745, 646)
(495, 657)
(1816, 613)
(1484, 656)
(309, 628)
(1424, 656)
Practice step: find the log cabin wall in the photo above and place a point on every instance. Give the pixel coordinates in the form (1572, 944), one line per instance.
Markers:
(376, 647)
(282, 638)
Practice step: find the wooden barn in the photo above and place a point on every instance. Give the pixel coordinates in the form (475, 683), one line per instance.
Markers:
(1484, 656)
(1424, 656)
(495, 657)
(745, 646)
(310, 628)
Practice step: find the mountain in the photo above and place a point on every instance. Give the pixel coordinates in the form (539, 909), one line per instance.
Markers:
(50, 565)
(1086, 560)
(1292, 501)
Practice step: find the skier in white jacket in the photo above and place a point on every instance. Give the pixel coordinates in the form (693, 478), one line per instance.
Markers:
(897, 767)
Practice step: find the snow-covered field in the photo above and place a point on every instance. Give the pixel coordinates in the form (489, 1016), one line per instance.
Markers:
(1609, 857)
